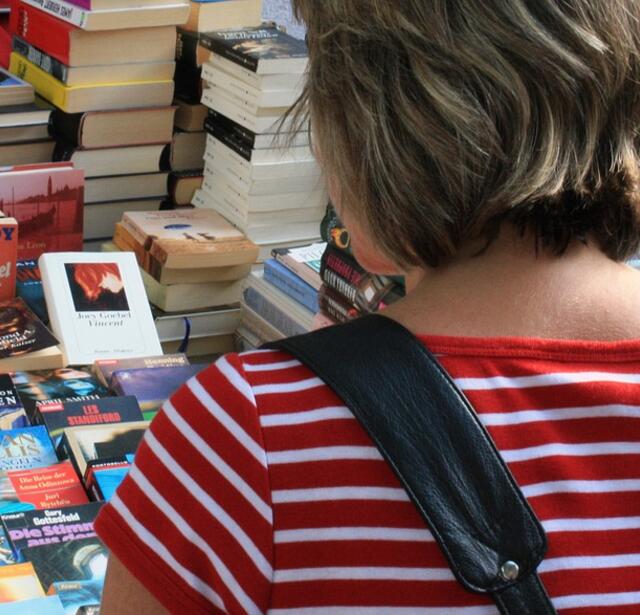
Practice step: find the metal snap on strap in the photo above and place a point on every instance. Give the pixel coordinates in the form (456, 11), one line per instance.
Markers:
(509, 571)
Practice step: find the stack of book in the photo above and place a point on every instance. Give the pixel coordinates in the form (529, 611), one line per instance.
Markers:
(281, 298)
(191, 261)
(24, 137)
(109, 73)
(185, 156)
(348, 291)
(275, 194)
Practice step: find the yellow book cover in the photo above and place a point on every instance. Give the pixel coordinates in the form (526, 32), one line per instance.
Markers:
(101, 96)
(19, 582)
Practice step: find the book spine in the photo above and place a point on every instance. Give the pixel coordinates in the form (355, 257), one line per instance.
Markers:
(47, 63)
(235, 144)
(187, 48)
(188, 83)
(213, 44)
(331, 304)
(45, 85)
(216, 121)
(333, 280)
(42, 31)
(272, 314)
(292, 286)
(344, 265)
(65, 128)
(62, 10)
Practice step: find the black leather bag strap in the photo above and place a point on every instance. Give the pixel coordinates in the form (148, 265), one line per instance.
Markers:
(431, 436)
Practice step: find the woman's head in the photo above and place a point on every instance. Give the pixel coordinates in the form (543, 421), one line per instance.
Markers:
(436, 120)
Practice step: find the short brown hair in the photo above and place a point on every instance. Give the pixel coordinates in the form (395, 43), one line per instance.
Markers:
(439, 120)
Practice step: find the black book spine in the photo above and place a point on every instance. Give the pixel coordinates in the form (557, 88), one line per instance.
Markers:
(48, 64)
(235, 144)
(188, 83)
(187, 48)
(214, 44)
(65, 128)
(217, 121)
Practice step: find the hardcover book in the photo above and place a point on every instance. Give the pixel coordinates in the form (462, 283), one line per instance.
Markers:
(46, 200)
(152, 387)
(35, 528)
(104, 368)
(53, 486)
(74, 560)
(42, 387)
(190, 238)
(86, 443)
(57, 416)
(114, 18)
(98, 306)
(12, 412)
(19, 582)
(25, 343)
(29, 288)
(222, 14)
(261, 50)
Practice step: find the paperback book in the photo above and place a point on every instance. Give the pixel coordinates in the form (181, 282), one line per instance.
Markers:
(104, 368)
(35, 528)
(98, 306)
(57, 416)
(42, 387)
(12, 412)
(19, 582)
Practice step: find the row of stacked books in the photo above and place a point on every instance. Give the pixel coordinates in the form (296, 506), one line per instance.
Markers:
(259, 170)
(108, 73)
(304, 288)
(75, 401)
(189, 139)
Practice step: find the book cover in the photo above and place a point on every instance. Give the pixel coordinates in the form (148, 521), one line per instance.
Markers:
(25, 448)
(57, 416)
(104, 475)
(29, 287)
(290, 284)
(78, 597)
(104, 368)
(35, 528)
(98, 306)
(47, 202)
(47, 63)
(12, 412)
(74, 560)
(83, 444)
(51, 386)
(21, 331)
(153, 386)
(37, 488)
(19, 582)
(8, 256)
(334, 305)
(261, 50)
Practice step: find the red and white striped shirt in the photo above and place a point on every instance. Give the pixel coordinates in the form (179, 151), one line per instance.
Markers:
(255, 490)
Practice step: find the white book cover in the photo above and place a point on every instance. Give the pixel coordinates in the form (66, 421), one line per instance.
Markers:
(97, 306)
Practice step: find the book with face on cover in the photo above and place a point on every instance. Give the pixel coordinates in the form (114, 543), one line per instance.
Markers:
(98, 306)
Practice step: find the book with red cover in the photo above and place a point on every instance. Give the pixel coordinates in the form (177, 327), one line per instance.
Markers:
(42, 31)
(54, 486)
(47, 201)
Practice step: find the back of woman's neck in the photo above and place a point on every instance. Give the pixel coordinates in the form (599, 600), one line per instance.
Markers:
(512, 291)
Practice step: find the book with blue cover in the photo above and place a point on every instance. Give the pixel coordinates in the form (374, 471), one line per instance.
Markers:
(152, 386)
(79, 597)
(29, 287)
(290, 284)
(25, 448)
(49, 605)
(12, 412)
